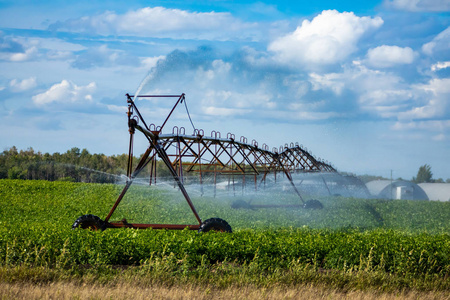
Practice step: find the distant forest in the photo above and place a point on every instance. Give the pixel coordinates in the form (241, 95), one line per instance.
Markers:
(74, 165)
(80, 166)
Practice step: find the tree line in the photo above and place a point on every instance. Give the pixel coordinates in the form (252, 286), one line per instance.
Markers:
(74, 165)
(82, 166)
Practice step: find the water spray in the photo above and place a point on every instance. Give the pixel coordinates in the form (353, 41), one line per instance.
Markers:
(213, 157)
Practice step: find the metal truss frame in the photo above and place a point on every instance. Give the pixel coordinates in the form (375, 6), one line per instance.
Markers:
(212, 155)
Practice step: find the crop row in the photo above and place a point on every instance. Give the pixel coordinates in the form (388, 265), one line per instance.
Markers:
(348, 234)
(390, 251)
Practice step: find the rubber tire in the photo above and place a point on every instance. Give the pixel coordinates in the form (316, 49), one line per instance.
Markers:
(89, 222)
(313, 204)
(215, 224)
(241, 204)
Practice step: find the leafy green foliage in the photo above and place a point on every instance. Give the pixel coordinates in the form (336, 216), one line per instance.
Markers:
(74, 165)
(407, 238)
(166, 205)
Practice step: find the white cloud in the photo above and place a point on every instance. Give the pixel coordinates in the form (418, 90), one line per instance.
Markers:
(381, 94)
(440, 43)
(150, 62)
(22, 85)
(387, 96)
(237, 86)
(389, 56)
(162, 22)
(333, 81)
(385, 103)
(29, 54)
(329, 38)
(435, 94)
(66, 92)
(20, 48)
(357, 78)
(419, 5)
(440, 65)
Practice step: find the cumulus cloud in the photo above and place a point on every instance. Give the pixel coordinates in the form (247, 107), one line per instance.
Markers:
(439, 46)
(20, 48)
(236, 86)
(65, 92)
(385, 95)
(419, 5)
(389, 56)
(329, 38)
(440, 65)
(12, 49)
(219, 87)
(379, 94)
(434, 98)
(29, 54)
(22, 85)
(162, 22)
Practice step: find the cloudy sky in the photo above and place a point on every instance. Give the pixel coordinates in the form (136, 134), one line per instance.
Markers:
(364, 85)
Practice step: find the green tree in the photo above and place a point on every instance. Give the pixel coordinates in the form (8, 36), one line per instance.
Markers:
(424, 174)
(17, 173)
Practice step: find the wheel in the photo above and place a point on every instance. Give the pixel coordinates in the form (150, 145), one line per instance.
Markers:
(89, 222)
(215, 224)
(241, 204)
(313, 204)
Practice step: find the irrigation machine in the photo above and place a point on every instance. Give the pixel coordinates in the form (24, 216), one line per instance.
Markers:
(203, 155)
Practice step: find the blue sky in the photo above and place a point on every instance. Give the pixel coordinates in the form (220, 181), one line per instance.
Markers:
(364, 85)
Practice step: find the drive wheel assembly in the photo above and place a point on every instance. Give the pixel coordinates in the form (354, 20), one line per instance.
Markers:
(313, 204)
(215, 224)
(89, 222)
(241, 204)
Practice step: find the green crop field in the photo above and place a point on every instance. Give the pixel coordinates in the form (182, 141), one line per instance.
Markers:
(354, 243)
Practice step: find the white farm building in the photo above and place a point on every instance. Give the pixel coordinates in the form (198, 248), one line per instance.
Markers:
(396, 189)
(437, 191)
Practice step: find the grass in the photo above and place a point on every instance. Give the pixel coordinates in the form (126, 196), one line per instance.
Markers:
(221, 282)
(71, 290)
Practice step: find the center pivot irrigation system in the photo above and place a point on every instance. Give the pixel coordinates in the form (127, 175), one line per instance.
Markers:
(207, 156)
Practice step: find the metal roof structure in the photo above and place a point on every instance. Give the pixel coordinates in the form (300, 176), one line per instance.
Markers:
(437, 191)
(396, 189)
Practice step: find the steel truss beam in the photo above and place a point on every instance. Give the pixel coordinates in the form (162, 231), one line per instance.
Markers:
(213, 154)
(227, 156)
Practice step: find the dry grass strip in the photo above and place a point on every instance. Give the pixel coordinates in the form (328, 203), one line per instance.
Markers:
(68, 290)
